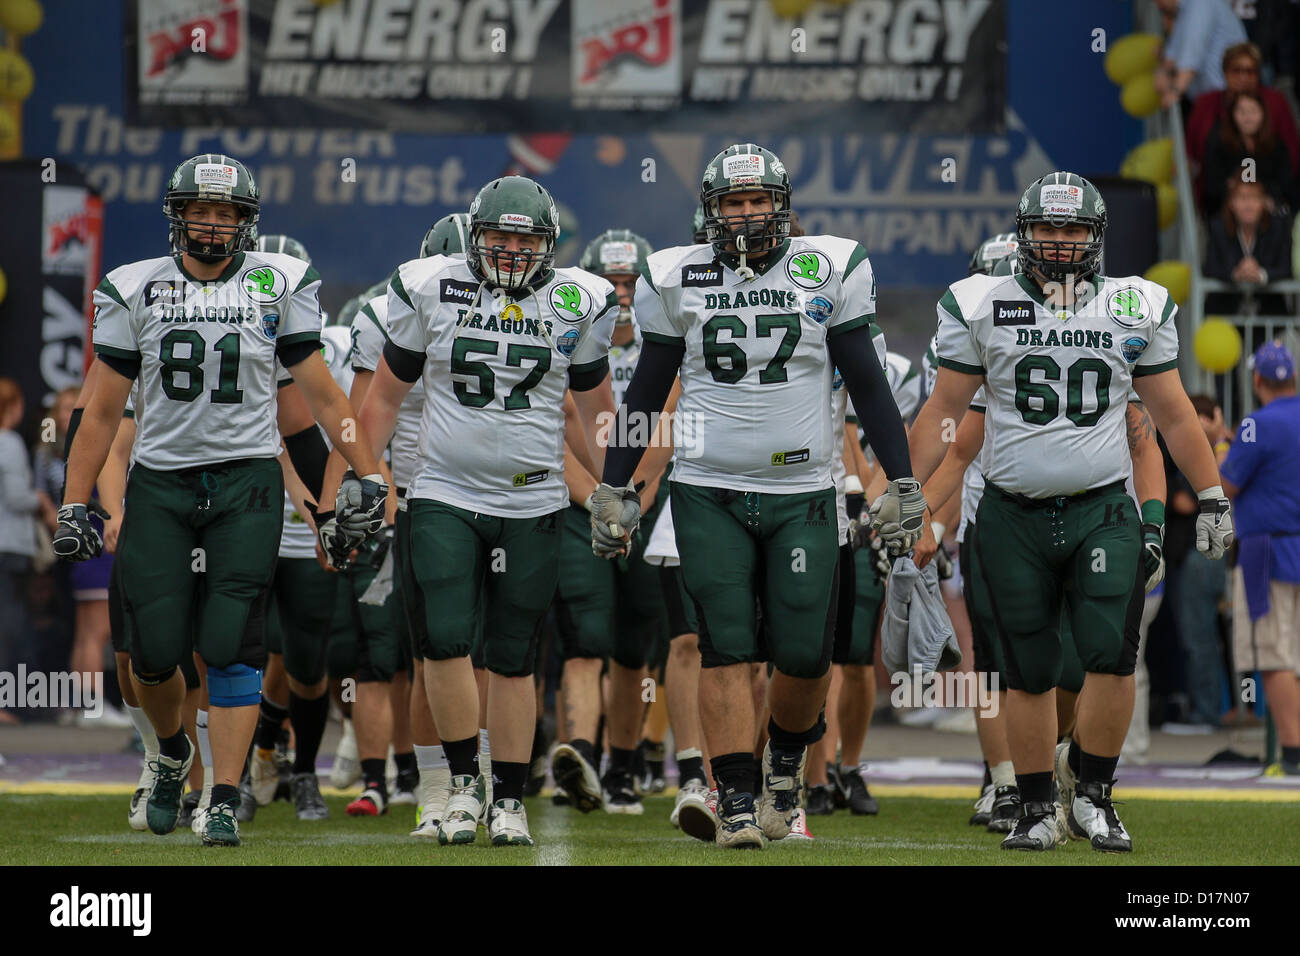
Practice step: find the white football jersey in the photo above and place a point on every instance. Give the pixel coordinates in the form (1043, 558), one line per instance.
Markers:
(495, 374)
(207, 351)
(370, 331)
(1057, 381)
(756, 374)
(622, 363)
(297, 540)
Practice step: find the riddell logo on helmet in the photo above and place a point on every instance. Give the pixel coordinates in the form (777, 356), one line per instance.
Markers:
(514, 219)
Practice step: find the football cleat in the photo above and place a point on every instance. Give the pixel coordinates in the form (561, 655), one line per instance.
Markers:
(782, 775)
(1065, 779)
(189, 807)
(371, 803)
(308, 804)
(983, 807)
(347, 761)
(700, 822)
(738, 827)
(265, 775)
(1093, 818)
(578, 778)
(821, 800)
(651, 759)
(139, 800)
(1005, 810)
(247, 802)
(433, 801)
(282, 757)
(199, 820)
(404, 789)
(164, 803)
(508, 824)
(560, 797)
(1034, 830)
(860, 800)
(221, 827)
(465, 803)
(1281, 769)
(799, 829)
(620, 795)
(834, 774)
(693, 792)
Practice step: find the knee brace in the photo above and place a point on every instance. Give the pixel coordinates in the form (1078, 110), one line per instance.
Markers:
(153, 680)
(235, 686)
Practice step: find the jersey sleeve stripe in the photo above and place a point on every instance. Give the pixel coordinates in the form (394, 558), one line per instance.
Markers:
(308, 277)
(645, 274)
(126, 355)
(396, 285)
(404, 363)
(110, 290)
(850, 419)
(1170, 308)
(583, 378)
(858, 255)
(977, 408)
(912, 372)
(369, 313)
(677, 341)
(960, 367)
(309, 335)
(949, 304)
(851, 324)
(1155, 369)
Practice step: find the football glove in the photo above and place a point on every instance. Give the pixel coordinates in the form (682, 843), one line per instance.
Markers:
(76, 538)
(1153, 554)
(898, 516)
(943, 563)
(337, 544)
(359, 505)
(615, 514)
(1213, 523)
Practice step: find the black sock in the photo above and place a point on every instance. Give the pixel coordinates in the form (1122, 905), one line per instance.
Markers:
(620, 760)
(539, 741)
(1094, 769)
(1291, 754)
(372, 774)
(308, 718)
(1035, 787)
(1072, 757)
(224, 793)
(588, 751)
(988, 776)
(462, 756)
(405, 762)
(734, 774)
(272, 716)
(792, 742)
(175, 747)
(508, 780)
(691, 768)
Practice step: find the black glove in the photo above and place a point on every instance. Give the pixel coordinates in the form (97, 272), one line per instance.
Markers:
(76, 538)
(1153, 554)
(372, 552)
(337, 544)
(359, 505)
(853, 504)
(943, 563)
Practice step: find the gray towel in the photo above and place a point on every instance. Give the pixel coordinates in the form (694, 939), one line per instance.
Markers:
(916, 632)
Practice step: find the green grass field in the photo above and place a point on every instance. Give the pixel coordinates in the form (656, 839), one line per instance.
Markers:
(91, 830)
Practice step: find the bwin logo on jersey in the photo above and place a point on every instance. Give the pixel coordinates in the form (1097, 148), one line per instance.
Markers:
(701, 276)
(1132, 348)
(819, 309)
(270, 325)
(568, 342)
(452, 290)
(1012, 313)
(263, 284)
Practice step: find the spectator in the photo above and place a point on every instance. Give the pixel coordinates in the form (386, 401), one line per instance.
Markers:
(1249, 246)
(1241, 66)
(48, 460)
(1195, 585)
(1246, 133)
(1259, 475)
(1202, 30)
(19, 503)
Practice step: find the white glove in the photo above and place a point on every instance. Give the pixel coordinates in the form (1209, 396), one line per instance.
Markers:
(898, 515)
(1213, 523)
(615, 514)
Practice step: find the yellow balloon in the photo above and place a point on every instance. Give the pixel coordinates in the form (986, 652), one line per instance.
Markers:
(1175, 276)
(790, 9)
(1166, 205)
(20, 17)
(1139, 96)
(1217, 344)
(1131, 56)
(1152, 161)
(4, 286)
(16, 78)
(9, 133)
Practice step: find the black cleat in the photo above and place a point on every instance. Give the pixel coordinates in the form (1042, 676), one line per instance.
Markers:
(821, 800)
(1005, 810)
(1035, 829)
(189, 803)
(1093, 818)
(859, 798)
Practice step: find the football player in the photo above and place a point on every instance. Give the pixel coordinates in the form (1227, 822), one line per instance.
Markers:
(1057, 347)
(203, 330)
(498, 337)
(757, 323)
(606, 609)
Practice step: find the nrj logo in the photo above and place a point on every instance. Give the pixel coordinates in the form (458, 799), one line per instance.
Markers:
(946, 689)
(61, 689)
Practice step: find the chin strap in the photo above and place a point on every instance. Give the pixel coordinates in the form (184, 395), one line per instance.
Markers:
(743, 270)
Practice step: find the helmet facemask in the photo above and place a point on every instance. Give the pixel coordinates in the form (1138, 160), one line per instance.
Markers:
(216, 241)
(493, 263)
(752, 234)
(1070, 261)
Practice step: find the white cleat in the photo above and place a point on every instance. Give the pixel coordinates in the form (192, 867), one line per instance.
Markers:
(139, 800)
(199, 822)
(693, 792)
(347, 760)
(465, 807)
(264, 774)
(434, 787)
(508, 824)
(779, 800)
